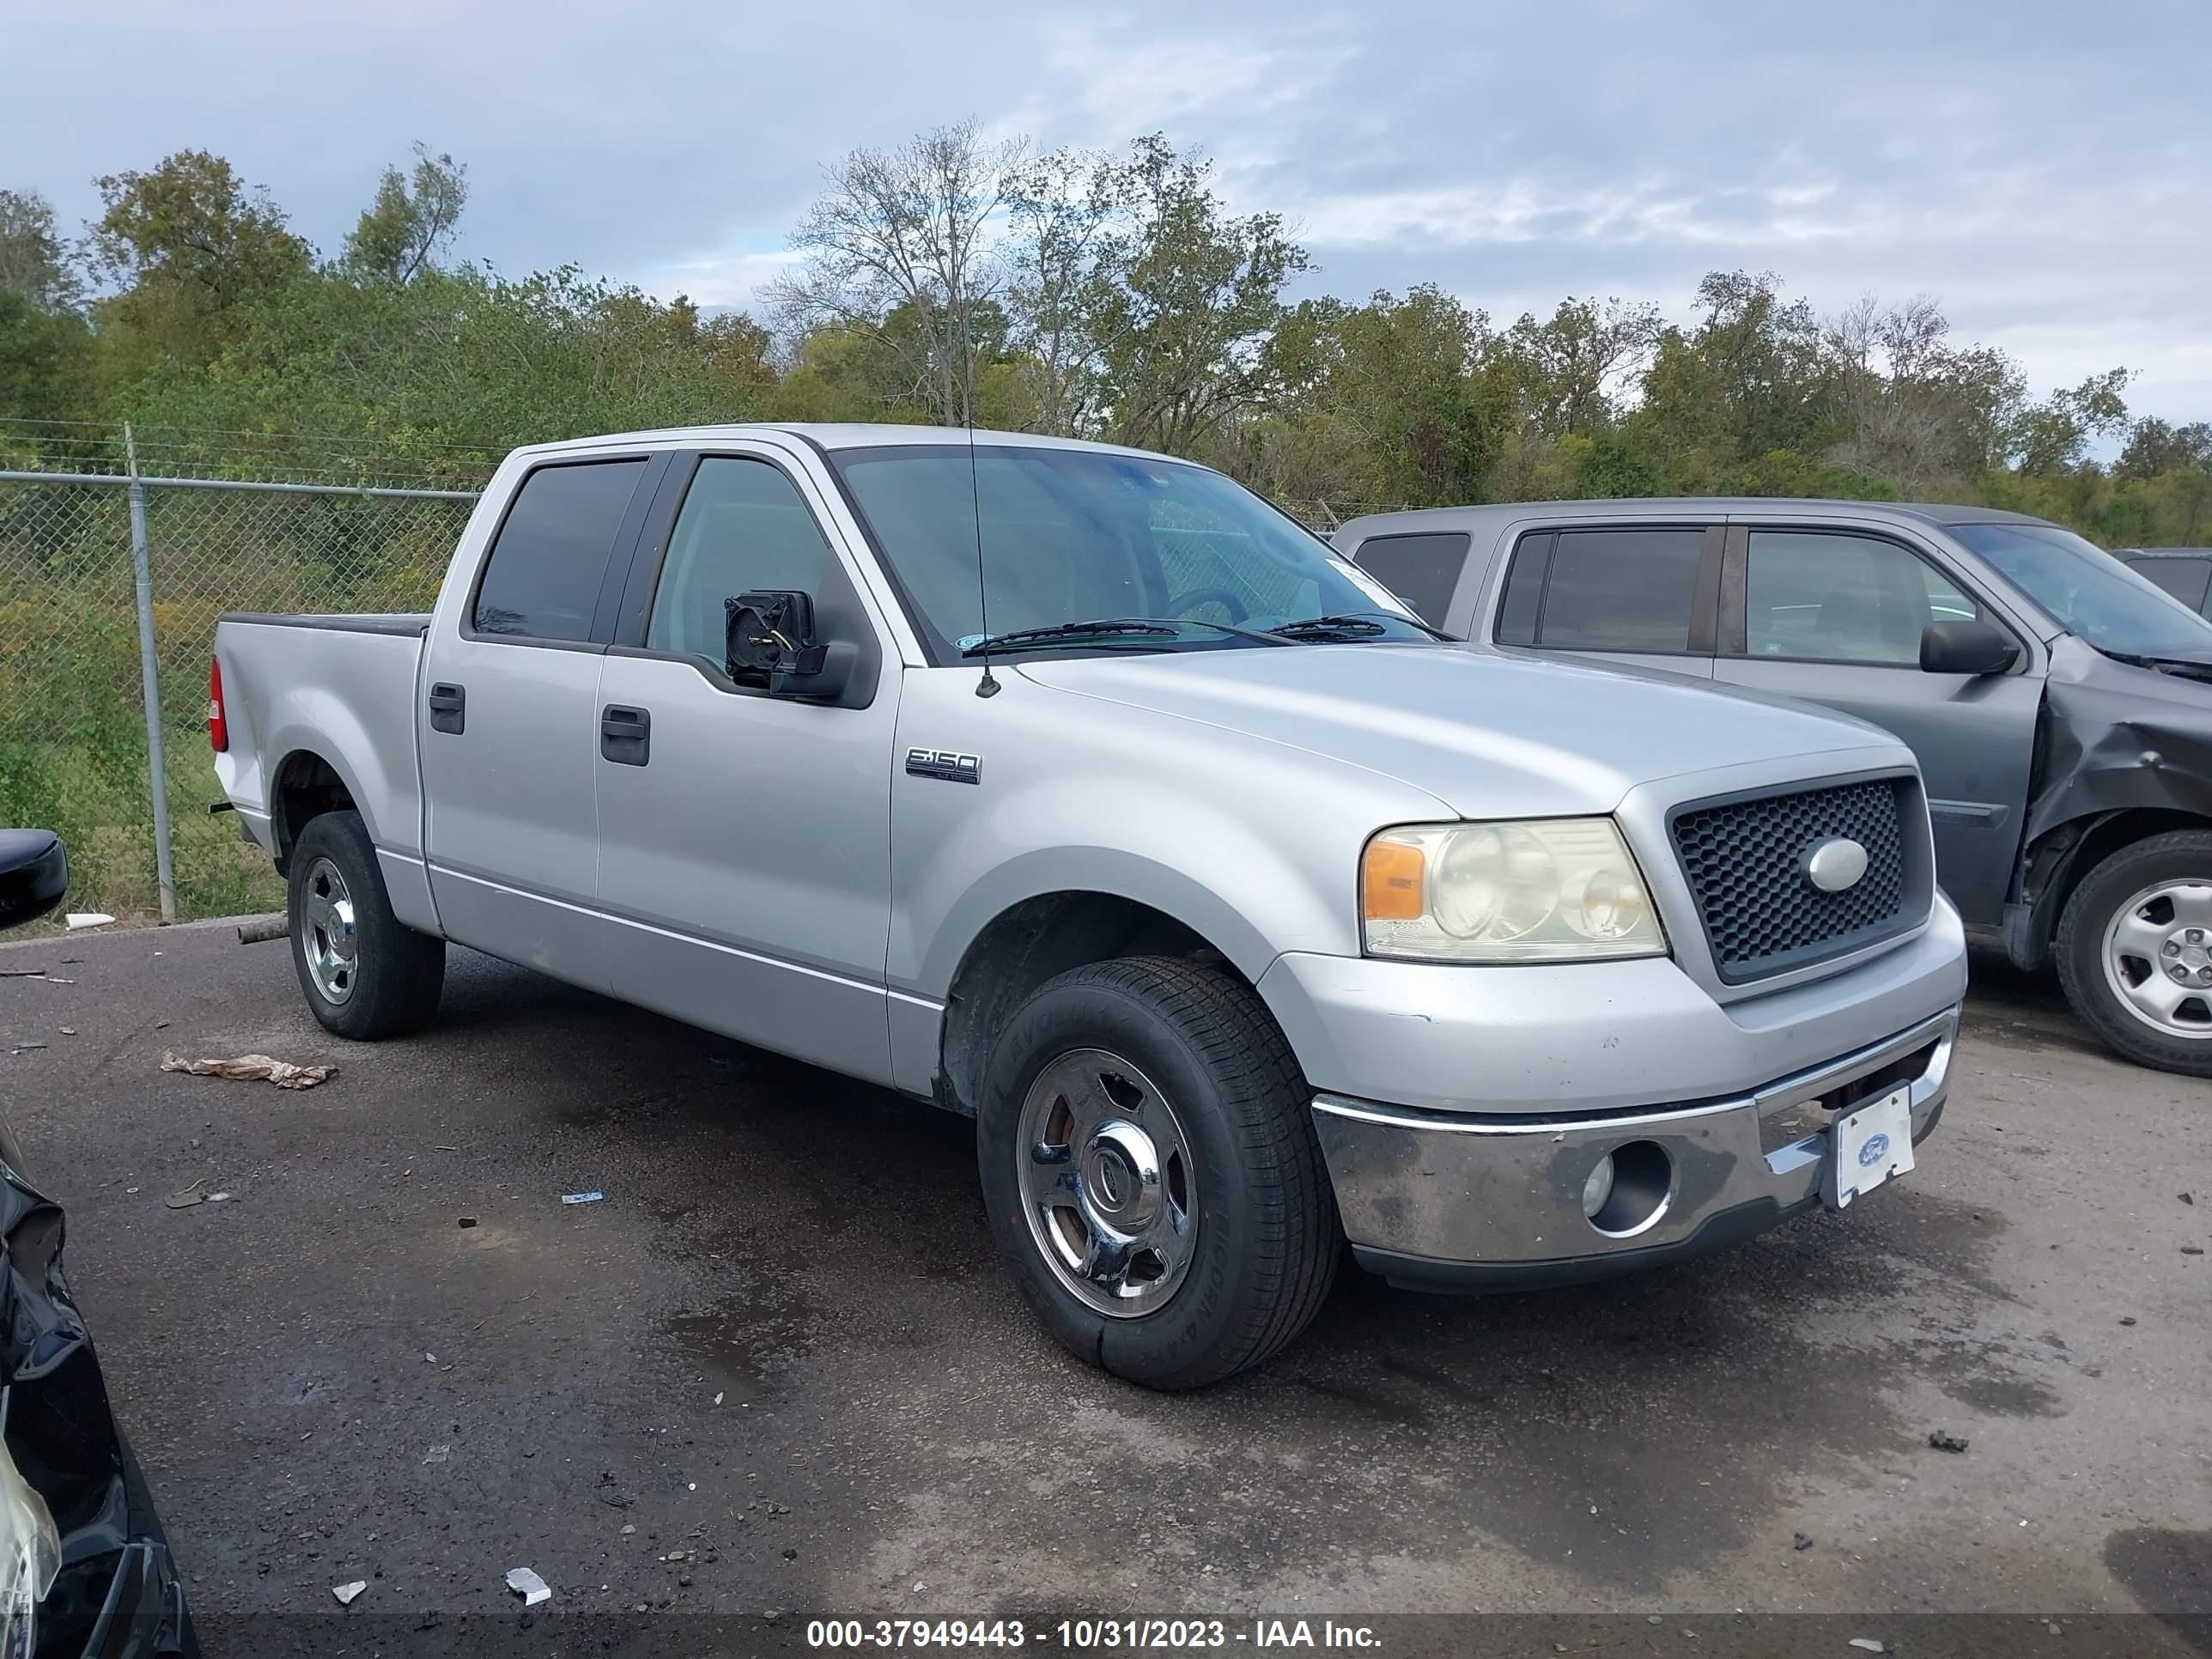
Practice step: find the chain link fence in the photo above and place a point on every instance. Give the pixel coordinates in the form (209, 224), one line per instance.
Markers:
(102, 677)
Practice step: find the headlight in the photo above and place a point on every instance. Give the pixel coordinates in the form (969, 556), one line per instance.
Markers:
(1545, 890)
(30, 1555)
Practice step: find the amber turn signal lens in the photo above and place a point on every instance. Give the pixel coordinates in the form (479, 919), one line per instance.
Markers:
(1390, 876)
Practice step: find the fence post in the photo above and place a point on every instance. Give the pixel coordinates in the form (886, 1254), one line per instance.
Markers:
(149, 672)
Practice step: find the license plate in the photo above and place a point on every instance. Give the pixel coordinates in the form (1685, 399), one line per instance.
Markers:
(1867, 1145)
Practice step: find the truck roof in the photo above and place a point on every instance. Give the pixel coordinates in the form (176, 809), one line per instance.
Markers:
(834, 435)
(1651, 507)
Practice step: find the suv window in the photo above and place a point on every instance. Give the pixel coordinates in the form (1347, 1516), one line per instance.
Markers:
(2185, 578)
(1422, 570)
(1829, 598)
(744, 526)
(1613, 590)
(543, 580)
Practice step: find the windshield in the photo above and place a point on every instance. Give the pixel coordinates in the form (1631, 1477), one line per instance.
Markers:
(1072, 535)
(2089, 592)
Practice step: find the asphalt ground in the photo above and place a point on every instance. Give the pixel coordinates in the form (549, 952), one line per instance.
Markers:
(775, 1374)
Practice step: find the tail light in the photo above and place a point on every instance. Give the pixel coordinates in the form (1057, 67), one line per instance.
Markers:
(218, 731)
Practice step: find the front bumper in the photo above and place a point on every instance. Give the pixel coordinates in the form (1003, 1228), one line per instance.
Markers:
(1455, 1202)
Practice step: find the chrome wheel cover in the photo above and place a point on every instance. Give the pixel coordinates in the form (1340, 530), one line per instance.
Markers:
(328, 940)
(2157, 959)
(1107, 1182)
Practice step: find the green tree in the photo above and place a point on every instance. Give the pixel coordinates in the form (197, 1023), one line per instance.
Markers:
(412, 220)
(34, 266)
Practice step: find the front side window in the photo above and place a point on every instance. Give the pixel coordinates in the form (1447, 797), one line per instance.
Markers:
(543, 580)
(1621, 589)
(1817, 597)
(1069, 535)
(744, 527)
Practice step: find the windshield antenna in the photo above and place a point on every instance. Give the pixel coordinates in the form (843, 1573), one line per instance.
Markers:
(987, 686)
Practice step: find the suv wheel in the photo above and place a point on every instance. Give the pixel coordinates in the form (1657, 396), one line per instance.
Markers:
(1149, 1161)
(2135, 951)
(366, 973)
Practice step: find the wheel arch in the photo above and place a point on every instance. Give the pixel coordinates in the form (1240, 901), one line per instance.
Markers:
(1034, 939)
(2063, 856)
(304, 785)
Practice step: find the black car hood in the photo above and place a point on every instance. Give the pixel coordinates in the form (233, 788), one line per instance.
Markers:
(2117, 735)
(117, 1592)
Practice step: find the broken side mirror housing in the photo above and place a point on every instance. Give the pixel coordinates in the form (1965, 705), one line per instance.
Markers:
(771, 645)
(33, 875)
(1966, 647)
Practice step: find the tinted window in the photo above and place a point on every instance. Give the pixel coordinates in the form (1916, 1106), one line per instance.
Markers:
(744, 527)
(1524, 590)
(1422, 570)
(1621, 589)
(2186, 579)
(543, 580)
(1843, 598)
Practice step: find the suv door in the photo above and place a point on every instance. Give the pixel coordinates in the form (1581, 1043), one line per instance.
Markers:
(1643, 593)
(1834, 615)
(506, 724)
(745, 838)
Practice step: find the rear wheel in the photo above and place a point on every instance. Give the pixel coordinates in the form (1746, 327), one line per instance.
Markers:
(1148, 1157)
(2135, 951)
(366, 973)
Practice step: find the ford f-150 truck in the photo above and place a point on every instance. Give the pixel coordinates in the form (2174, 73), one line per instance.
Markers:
(1077, 789)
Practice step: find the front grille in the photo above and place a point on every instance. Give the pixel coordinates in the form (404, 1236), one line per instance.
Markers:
(1744, 860)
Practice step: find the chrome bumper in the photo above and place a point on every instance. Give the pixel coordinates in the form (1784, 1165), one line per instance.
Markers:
(1448, 1201)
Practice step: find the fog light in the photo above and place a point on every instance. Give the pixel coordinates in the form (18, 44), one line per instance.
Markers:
(1598, 1188)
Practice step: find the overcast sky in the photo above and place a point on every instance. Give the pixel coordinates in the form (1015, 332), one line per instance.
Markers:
(2039, 166)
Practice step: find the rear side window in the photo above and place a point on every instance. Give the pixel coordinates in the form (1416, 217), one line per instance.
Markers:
(2186, 579)
(1422, 570)
(1614, 590)
(543, 580)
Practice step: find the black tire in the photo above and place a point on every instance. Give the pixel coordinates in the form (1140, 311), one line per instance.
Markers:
(2179, 855)
(396, 975)
(1267, 1240)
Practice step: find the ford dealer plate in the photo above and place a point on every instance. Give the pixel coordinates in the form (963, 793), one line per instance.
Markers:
(1867, 1145)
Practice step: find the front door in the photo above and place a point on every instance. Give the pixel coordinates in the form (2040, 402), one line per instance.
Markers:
(745, 838)
(1836, 618)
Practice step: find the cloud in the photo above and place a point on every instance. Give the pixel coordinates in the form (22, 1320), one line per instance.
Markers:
(2035, 164)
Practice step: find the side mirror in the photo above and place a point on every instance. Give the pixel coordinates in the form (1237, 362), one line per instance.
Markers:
(1966, 647)
(33, 875)
(770, 642)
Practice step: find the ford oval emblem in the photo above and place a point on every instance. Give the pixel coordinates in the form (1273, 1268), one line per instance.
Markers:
(1874, 1152)
(1835, 866)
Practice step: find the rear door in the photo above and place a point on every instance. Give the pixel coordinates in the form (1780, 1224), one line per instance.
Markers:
(1642, 593)
(1834, 615)
(508, 723)
(745, 838)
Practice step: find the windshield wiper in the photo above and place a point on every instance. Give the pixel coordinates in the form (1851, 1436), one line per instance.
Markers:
(1070, 632)
(1354, 624)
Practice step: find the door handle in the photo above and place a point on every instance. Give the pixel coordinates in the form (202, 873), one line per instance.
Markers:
(449, 707)
(626, 734)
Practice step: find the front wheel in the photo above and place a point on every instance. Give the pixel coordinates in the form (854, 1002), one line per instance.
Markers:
(2135, 951)
(1148, 1157)
(367, 975)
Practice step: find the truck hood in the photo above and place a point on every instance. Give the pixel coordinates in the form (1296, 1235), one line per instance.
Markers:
(1489, 735)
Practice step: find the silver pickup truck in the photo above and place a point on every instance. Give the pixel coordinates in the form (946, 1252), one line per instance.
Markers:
(1076, 789)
